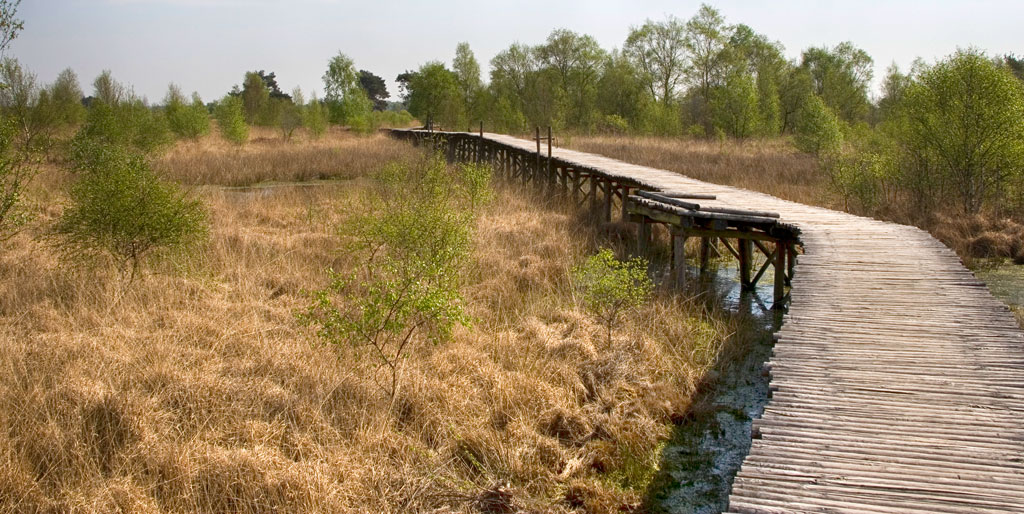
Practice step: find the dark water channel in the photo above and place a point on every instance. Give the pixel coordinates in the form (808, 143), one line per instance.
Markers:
(700, 460)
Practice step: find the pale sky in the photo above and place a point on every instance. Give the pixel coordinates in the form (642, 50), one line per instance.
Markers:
(207, 45)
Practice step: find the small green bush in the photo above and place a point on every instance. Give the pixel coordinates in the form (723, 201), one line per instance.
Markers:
(231, 120)
(413, 245)
(610, 287)
(392, 118)
(290, 119)
(817, 129)
(13, 177)
(129, 123)
(314, 116)
(187, 121)
(120, 208)
(362, 123)
(613, 124)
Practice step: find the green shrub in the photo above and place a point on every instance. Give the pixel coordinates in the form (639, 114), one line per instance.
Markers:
(613, 124)
(120, 208)
(392, 118)
(733, 105)
(314, 116)
(231, 120)
(476, 182)
(129, 123)
(362, 124)
(290, 119)
(817, 129)
(858, 177)
(413, 245)
(14, 175)
(610, 287)
(189, 121)
(963, 128)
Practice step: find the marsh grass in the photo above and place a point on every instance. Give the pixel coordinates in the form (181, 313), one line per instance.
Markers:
(339, 154)
(197, 390)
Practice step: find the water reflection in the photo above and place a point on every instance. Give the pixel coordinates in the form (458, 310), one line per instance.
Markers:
(699, 462)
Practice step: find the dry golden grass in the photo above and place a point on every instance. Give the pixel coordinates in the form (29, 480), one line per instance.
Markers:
(772, 166)
(196, 390)
(982, 236)
(267, 157)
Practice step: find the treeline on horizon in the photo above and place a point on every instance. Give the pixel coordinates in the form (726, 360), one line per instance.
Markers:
(938, 136)
(43, 114)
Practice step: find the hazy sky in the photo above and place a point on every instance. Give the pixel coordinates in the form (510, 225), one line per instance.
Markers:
(207, 45)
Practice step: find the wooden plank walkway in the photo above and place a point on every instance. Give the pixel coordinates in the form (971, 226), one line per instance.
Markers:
(897, 378)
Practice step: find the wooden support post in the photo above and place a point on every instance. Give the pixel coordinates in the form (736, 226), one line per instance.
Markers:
(594, 186)
(550, 170)
(536, 168)
(480, 144)
(575, 185)
(790, 262)
(679, 259)
(746, 250)
(608, 194)
(780, 274)
(643, 236)
(705, 252)
(624, 191)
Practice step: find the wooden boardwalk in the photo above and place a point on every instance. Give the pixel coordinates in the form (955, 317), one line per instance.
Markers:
(897, 378)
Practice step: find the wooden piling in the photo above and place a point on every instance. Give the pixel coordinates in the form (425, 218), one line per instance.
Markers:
(705, 252)
(575, 186)
(643, 236)
(480, 144)
(608, 194)
(745, 250)
(551, 177)
(679, 259)
(594, 189)
(780, 274)
(624, 192)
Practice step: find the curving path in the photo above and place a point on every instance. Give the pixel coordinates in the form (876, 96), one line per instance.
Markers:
(897, 378)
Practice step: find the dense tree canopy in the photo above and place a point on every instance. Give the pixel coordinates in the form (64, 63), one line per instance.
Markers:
(375, 88)
(347, 101)
(434, 95)
(964, 121)
(841, 77)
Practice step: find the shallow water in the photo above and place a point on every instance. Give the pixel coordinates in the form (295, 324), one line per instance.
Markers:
(699, 462)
